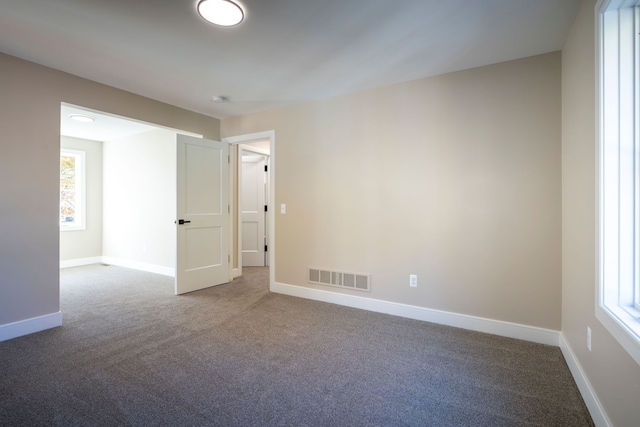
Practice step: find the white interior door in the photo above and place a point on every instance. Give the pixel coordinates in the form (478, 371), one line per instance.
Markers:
(253, 210)
(202, 223)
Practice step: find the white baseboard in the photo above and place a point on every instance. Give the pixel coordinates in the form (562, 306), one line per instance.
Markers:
(30, 326)
(151, 268)
(598, 414)
(496, 327)
(80, 262)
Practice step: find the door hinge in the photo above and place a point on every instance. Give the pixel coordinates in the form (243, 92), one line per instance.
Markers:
(229, 159)
(266, 168)
(266, 208)
(265, 248)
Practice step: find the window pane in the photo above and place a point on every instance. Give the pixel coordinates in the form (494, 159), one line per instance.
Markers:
(67, 189)
(72, 190)
(619, 162)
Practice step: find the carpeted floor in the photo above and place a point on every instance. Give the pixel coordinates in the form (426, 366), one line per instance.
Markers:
(131, 353)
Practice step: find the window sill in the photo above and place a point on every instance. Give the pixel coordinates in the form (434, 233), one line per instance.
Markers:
(624, 325)
(73, 228)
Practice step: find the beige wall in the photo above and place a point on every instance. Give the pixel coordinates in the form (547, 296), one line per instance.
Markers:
(455, 178)
(613, 374)
(87, 243)
(29, 173)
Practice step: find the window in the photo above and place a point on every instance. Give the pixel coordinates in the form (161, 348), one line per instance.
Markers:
(72, 190)
(618, 305)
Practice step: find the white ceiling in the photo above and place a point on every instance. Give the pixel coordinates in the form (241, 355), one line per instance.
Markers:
(286, 51)
(106, 127)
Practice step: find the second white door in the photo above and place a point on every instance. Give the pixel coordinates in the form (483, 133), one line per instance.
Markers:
(253, 210)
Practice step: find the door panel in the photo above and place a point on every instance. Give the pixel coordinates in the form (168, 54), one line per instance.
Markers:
(202, 203)
(203, 182)
(250, 242)
(253, 213)
(203, 247)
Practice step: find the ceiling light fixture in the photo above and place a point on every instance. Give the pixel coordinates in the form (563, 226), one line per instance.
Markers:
(220, 99)
(221, 12)
(81, 118)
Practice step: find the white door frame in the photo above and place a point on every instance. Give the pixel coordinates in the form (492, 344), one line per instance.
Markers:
(270, 136)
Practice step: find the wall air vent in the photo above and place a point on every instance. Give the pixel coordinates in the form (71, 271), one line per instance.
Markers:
(356, 281)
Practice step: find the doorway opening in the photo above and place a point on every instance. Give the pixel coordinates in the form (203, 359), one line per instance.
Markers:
(253, 197)
(257, 146)
(132, 183)
(121, 156)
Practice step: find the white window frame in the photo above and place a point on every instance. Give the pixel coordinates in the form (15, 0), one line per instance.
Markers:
(618, 154)
(80, 194)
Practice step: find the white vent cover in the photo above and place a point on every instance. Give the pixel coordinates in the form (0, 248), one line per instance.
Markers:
(341, 279)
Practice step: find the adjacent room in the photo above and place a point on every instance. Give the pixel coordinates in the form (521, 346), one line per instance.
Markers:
(437, 226)
(117, 209)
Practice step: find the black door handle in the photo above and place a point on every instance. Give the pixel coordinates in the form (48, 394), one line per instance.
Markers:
(182, 221)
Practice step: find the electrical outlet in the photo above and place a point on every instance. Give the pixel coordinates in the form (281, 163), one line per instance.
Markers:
(283, 208)
(589, 338)
(413, 280)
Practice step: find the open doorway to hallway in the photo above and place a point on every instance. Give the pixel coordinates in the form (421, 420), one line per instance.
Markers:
(260, 143)
(253, 197)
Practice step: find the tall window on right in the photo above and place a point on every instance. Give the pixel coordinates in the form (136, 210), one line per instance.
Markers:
(618, 60)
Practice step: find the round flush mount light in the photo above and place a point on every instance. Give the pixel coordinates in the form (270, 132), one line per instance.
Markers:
(82, 118)
(221, 12)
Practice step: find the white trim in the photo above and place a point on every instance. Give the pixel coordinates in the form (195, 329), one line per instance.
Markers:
(618, 322)
(30, 326)
(250, 137)
(151, 268)
(596, 410)
(617, 319)
(479, 324)
(80, 262)
(257, 150)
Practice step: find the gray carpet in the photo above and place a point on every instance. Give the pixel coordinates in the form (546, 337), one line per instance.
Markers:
(131, 353)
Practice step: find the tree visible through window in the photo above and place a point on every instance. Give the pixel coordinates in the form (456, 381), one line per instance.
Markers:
(71, 190)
